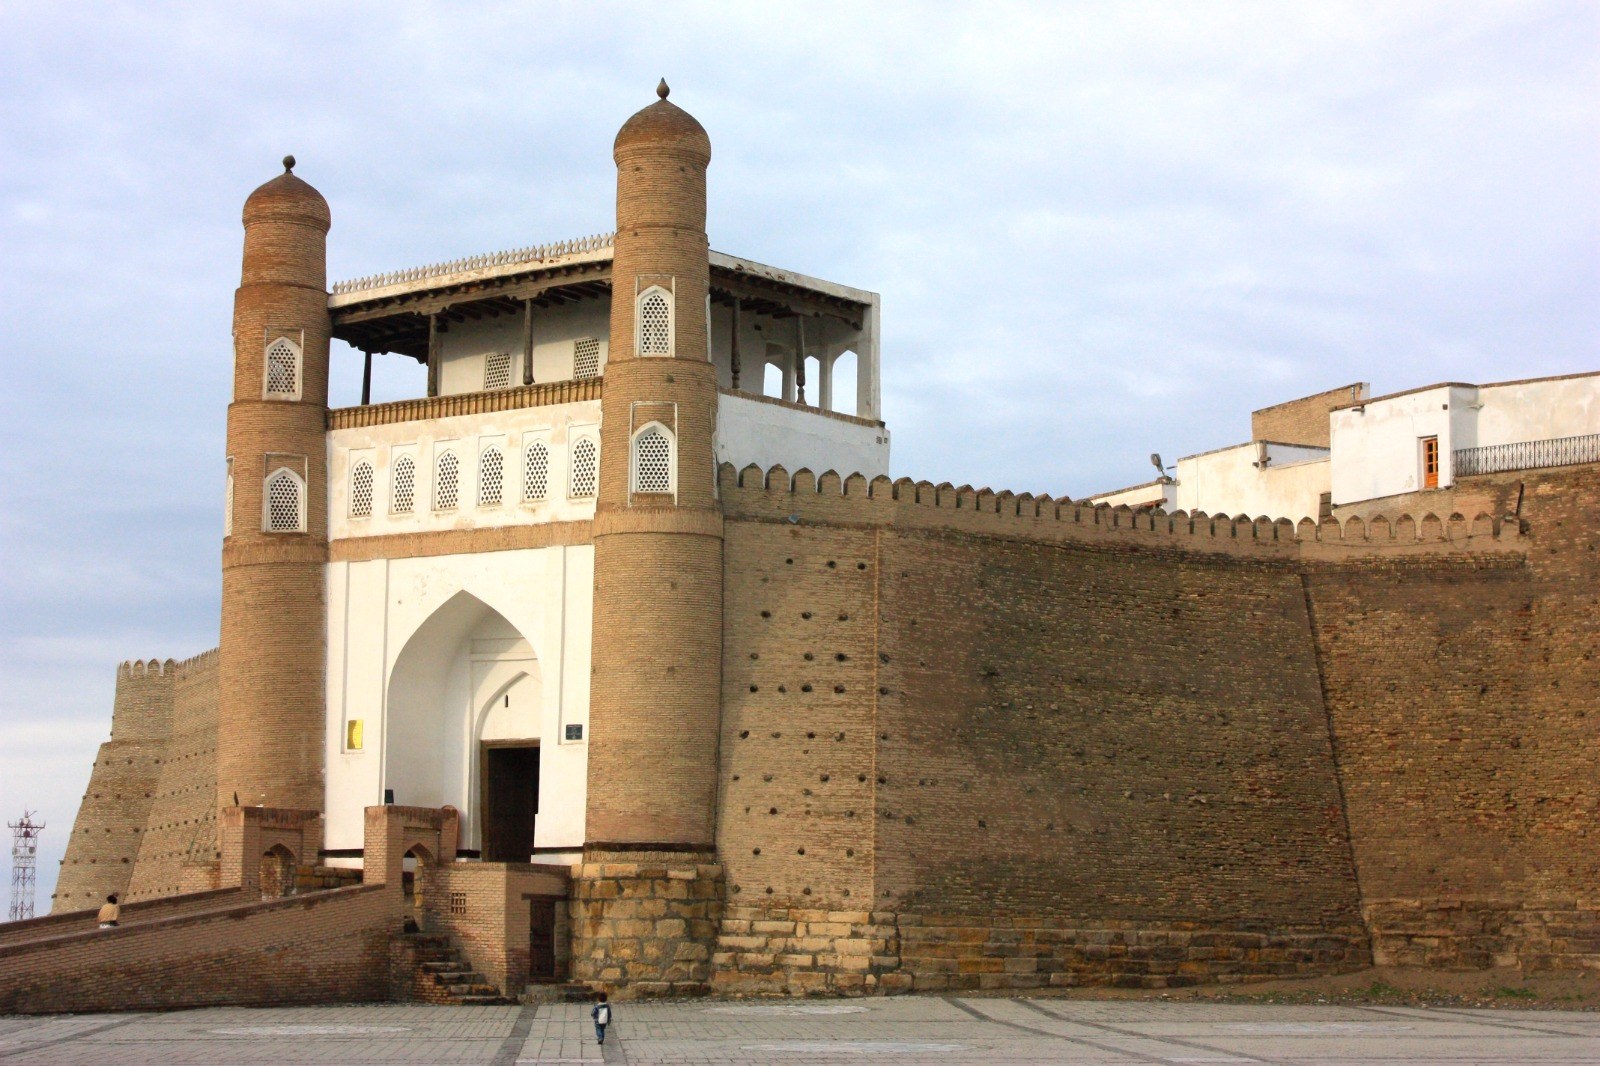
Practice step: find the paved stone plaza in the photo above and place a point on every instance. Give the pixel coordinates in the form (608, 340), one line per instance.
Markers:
(908, 1030)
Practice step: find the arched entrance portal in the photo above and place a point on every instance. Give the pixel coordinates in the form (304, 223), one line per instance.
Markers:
(463, 726)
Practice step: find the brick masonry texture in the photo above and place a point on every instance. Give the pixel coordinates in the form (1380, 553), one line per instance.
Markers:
(1302, 421)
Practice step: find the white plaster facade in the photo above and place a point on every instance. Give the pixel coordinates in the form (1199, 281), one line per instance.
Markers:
(435, 655)
(555, 427)
(752, 430)
(1377, 445)
(1261, 478)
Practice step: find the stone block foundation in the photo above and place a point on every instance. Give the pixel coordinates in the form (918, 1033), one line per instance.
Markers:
(797, 951)
(645, 923)
(1480, 933)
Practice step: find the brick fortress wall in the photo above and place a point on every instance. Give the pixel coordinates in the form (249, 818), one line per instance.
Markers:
(1464, 698)
(1035, 743)
(152, 791)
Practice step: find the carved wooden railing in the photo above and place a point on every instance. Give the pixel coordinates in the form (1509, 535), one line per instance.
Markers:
(470, 403)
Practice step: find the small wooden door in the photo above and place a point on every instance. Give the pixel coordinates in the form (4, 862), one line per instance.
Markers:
(510, 801)
(1430, 462)
(541, 939)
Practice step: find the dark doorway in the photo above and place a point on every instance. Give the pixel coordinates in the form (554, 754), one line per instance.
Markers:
(542, 939)
(510, 801)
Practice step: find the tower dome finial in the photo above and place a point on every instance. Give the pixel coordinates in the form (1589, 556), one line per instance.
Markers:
(662, 90)
(288, 164)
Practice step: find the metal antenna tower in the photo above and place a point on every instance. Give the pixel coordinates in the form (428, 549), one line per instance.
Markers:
(24, 854)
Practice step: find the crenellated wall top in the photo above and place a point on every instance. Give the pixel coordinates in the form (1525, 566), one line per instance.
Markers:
(775, 494)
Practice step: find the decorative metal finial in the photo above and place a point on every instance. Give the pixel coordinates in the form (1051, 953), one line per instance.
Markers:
(662, 90)
(288, 164)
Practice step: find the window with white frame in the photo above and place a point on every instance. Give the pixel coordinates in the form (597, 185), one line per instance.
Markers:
(361, 482)
(403, 495)
(283, 369)
(284, 503)
(586, 358)
(491, 477)
(497, 370)
(652, 459)
(446, 481)
(654, 314)
(585, 473)
(535, 470)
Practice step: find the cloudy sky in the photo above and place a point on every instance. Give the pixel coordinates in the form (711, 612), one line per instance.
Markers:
(1100, 230)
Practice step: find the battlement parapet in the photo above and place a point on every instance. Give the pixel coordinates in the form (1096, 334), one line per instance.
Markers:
(775, 494)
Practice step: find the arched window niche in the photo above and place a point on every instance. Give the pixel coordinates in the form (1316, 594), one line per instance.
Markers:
(655, 460)
(654, 322)
(281, 373)
(283, 502)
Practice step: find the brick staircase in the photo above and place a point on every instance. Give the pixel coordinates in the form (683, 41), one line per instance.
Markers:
(433, 971)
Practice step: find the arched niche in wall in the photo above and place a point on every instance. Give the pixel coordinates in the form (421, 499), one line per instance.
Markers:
(465, 672)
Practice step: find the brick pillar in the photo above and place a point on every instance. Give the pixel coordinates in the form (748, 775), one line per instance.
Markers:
(657, 654)
(271, 654)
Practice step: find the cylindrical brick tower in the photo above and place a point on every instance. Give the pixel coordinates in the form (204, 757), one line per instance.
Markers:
(657, 688)
(650, 888)
(275, 547)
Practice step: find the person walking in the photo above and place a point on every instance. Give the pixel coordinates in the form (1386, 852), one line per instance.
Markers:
(602, 1018)
(110, 912)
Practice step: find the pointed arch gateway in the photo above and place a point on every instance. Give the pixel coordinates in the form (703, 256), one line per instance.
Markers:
(463, 725)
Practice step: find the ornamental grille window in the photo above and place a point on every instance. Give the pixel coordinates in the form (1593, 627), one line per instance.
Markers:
(404, 496)
(283, 503)
(652, 461)
(586, 358)
(491, 477)
(497, 370)
(655, 323)
(227, 504)
(585, 468)
(283, 368)
(458, 903)
(446, 482)
(361, 490)
(535, 471)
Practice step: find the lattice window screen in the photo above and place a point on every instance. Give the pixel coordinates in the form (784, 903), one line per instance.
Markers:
(283, 368)
(497, 370)
(283, 503)
(404, 497)
(446, 482)
(586, 358)
(227, 504)
(585, 468)
(652, 461)
(491, 477)
(535, 470)
(361, 490)
(655, 324)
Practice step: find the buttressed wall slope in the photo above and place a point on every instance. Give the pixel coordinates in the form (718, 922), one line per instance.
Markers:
(149, 809)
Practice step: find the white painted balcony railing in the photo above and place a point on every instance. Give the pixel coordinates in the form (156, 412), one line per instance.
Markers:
(1528, 455)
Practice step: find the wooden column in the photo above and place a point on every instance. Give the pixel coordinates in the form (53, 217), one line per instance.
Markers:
(800, 358)
(366, 379)
(433, 355)
(734, 347)
(527, 342)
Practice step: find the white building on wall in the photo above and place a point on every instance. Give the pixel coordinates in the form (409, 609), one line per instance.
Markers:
(1344, 447)
(459, 591)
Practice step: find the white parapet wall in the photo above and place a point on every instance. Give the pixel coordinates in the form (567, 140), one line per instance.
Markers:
(767, 432)
(1258, 479)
